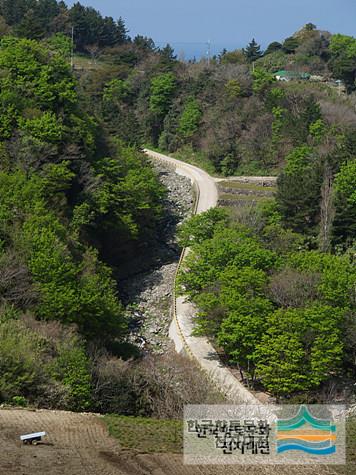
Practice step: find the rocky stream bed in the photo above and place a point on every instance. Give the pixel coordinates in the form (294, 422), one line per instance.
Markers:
(148, 295)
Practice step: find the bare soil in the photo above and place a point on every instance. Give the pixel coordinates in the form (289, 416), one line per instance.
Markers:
(79, 444)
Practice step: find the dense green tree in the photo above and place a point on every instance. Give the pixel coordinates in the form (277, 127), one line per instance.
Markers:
(121, 31)
(60, 43)
(110, 33)
(273, 47)
(201, 227)
(337, 276)
(262, 80)
(343, 59)
(82, 294)
(227, 246)
(72, 369)
(300, 349)
(43, 364)
(346, 182)
(290, 44)
(233, 89)
(299, 191)
(168, 58)
(46, 11)
(20, 371)
(108, 199)
(76, 202)
(145, 43)
(91, 28)
(344, 225)
(190, 119)
(242, 330)
(30, 26)
(45, 128)
(252, 51)
(14, 10)
(162, 90)
(292, 349)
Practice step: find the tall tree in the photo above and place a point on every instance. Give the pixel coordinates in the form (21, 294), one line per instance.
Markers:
(121, 31)
(299, 191)
(14, 10)
(46, 11)
(145, 43)
(31, 26)
(252, 51)
(108, 33)
(168, 58)
(344, 226)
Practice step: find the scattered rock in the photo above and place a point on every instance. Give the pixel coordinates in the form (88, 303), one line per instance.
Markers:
(149, 295)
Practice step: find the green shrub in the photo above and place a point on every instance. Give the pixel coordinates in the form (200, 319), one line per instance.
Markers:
(71, 368)
(21, 369)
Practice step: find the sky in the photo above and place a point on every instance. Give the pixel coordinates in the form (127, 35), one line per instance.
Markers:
(189, 24)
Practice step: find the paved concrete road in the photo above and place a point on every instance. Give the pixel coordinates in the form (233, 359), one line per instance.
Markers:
(208, 192)
(182, 326)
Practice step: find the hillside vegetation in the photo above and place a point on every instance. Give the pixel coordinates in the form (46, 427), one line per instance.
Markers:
(78, 200)
(76, 203)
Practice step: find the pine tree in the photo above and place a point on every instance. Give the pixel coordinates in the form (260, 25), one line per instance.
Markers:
(168, 58)
(107, 33)
(78, 20)
(252, 51)
(14, 10)
(144, 43)
(121, 32)
(31, 26)
(46, 11)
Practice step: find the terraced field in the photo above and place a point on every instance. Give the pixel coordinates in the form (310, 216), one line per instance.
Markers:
(245, 191)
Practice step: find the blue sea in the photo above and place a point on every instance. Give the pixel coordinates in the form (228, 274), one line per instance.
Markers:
(188, 51)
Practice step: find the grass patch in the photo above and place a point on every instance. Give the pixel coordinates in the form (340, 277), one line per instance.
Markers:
(166, 436)
(85, 63)
(234, 197)
(198, 159)
(350, 467)
(245, 186)
(146, 435)
(252, 168)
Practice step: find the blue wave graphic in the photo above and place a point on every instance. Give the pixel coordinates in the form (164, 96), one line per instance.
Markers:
(303, 417)
(326, 451)
(304, 443)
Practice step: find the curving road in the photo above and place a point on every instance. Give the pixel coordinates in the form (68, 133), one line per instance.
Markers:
(208, 192)
(182, 325)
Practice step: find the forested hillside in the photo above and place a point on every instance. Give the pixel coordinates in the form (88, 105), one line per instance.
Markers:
(79, 201)
(79, 204)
